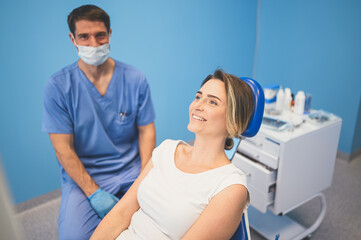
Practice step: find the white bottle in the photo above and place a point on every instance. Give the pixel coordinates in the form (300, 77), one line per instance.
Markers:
(279, 100)
(300, 103)
(287, 99)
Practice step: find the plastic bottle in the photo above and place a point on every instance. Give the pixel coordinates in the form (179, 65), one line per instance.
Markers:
(287, 99)
(300, 103)
(279, 100)
(308, 103)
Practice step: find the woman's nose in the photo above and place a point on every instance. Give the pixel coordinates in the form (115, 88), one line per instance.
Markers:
(199, 105)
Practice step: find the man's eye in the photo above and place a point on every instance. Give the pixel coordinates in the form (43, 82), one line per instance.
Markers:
(198, 97)
(83, 37)
(101, 35)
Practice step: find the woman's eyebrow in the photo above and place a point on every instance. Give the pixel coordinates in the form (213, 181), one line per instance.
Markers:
(210, 95)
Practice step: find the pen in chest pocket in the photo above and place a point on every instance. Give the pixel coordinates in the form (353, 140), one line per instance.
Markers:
(122, 115)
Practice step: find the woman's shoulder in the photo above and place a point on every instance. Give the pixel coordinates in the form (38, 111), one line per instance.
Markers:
(171, 144)
(164, 153)
(168, 146)
(237, 175)
(236, 178)
(232, 175)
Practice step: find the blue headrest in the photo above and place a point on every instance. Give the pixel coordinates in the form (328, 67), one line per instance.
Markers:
(255, 122)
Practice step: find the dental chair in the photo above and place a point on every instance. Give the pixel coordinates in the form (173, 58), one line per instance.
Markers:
(242, 232)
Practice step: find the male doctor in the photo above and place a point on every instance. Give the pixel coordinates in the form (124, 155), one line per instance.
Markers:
(100, 119)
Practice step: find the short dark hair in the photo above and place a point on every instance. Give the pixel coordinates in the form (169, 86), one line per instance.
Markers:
(88, 12)
(240, 102)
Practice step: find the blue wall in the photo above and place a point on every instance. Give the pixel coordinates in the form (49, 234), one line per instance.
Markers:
(315, 46)
(175, 43)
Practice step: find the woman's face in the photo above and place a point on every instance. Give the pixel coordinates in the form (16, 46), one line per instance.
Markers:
(207, 113)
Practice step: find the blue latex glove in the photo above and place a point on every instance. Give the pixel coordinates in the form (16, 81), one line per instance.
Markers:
(102, 202)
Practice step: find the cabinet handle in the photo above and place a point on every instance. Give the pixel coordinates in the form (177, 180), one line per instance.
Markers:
(255, 143)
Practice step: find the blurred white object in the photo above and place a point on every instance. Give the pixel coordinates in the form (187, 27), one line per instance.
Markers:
(279, 100)
(287, 100)
(300, 103)
(270, 92)
(9, 228)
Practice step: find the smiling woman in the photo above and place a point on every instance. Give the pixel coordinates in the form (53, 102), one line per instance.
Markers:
(192, 183)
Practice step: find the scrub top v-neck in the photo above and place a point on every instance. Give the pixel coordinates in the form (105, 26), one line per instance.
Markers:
(95, 91)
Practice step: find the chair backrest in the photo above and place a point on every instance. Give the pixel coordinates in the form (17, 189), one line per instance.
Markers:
(255, 122)
(242, 232)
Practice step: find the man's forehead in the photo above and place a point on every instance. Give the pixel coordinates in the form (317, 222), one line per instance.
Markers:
(84, 26)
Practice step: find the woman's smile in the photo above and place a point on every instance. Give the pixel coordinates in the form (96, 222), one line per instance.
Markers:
(198, 118)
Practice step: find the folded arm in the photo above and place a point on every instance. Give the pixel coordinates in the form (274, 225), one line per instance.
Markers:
(222, 216)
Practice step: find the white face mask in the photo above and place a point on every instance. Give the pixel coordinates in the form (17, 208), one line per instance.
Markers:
(94, 55)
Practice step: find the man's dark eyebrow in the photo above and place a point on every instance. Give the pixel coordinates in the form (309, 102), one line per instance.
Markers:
(102, 32)
(97, 33)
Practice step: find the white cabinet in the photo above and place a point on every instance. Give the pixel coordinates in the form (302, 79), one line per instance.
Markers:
(287, 168)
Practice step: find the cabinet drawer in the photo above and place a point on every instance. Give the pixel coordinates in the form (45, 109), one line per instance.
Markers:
(258, 176)
(260, 180)
(258, 154)
(264, 143)
(260, 200)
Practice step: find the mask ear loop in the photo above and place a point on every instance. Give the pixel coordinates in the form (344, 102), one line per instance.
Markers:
(74, 40)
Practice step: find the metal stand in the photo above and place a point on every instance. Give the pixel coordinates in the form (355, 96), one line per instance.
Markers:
(272, 226)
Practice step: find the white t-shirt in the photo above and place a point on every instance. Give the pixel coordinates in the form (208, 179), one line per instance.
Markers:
(171, 200)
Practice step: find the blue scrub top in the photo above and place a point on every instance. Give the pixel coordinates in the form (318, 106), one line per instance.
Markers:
(104, 127)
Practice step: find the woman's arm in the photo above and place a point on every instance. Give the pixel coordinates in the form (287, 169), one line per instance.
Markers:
(222, 216)
(118, 219)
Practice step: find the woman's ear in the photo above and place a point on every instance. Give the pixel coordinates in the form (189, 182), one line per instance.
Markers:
(228, 143)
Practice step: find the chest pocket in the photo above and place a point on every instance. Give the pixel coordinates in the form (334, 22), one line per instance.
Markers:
(123, 127)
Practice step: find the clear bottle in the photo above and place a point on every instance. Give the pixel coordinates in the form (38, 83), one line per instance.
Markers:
(300, 103)
(287, 99)
(279, 100)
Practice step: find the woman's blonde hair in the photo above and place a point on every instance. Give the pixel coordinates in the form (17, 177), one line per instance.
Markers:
(240, 102)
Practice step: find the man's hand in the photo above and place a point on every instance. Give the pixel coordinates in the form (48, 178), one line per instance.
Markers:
(102, 202)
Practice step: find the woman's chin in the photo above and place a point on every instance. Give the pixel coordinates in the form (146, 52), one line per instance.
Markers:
(192, 128)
